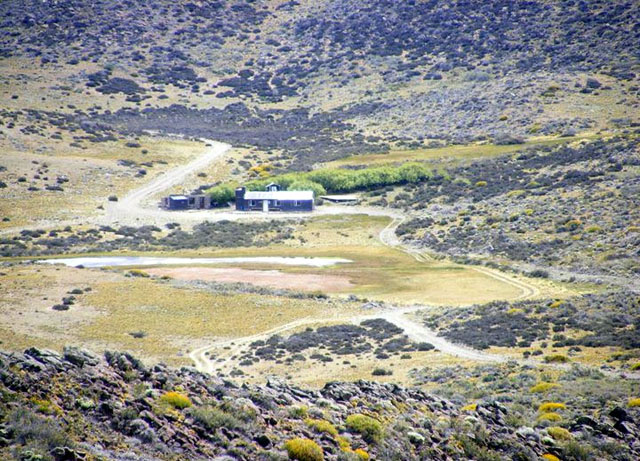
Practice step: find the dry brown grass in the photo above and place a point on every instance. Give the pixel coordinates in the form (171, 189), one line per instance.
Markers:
(315, 374)
(173, 319)
(94, 174)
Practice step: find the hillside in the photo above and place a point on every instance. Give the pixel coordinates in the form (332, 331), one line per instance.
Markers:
(369, 74)
(465, 286)
(116, 408)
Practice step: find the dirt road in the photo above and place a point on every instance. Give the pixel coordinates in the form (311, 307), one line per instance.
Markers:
(227, 349)
(133, 204)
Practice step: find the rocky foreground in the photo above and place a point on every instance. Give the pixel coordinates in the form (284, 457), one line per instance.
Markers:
(76, 405)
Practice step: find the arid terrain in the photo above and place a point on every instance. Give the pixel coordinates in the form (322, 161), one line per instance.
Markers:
(467, 285)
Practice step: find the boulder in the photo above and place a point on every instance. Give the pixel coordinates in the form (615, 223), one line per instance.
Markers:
(415, 438)
(79, 357)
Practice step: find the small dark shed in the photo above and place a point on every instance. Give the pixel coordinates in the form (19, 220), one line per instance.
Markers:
(176, 202)
(187, 202)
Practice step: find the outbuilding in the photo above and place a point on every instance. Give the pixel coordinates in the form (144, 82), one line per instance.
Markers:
(176, 202)
(274, 199)
(187, 202)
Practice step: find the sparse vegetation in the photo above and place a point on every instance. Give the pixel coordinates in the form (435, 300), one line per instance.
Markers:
(213, 418)
(543, 387)
(322, 426)
(304, 450)
(634, 403)
(369, 428)
(499, 139)
(559, 433)
(176, 400)
(551, 406)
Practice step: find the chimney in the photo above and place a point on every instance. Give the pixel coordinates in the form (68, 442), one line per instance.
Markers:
(240, 198)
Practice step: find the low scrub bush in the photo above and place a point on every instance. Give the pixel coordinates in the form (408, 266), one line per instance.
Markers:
(633, 403)
(550, 457)
(470, 407)
(543, 387)
(551, 406)
(213, 418)
(369, 428)
(47, 407)
(381, 372)
(343, 443)
(354, 455)
(559, 433)
(556, 358)
(176, 400)
(575, 450)
(303, 450)
(550, 416)
(29, 428)
(298, 412)
(321, 426)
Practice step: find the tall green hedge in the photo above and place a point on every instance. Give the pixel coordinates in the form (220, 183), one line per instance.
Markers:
(341, 180)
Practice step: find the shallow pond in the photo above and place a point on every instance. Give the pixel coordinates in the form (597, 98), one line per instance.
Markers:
(112, 261)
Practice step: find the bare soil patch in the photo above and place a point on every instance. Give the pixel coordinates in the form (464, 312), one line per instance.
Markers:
(263, 278)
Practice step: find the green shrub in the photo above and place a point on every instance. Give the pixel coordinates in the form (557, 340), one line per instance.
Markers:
(551, 406)
(543, 387)
(298, 412)
(470, 407)
(559, 433)
(221, 195)
(321, 426)
(176, 400)
(30, 428)
(213, 418)
(342, 180)
(304, 450)
(47, 407)
(304, 184)
(381, 372)
(474, 450)
(369, 428)
(85, 404)
(633, 403)
(574, 450)
(550, 416)
(556, 358)
(550, 457)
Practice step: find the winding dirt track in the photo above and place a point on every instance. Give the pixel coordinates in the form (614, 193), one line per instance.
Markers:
(131, 204)
(227, 349)
(131, 209)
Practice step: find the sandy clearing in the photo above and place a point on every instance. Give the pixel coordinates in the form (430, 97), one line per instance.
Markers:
(263, 278)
